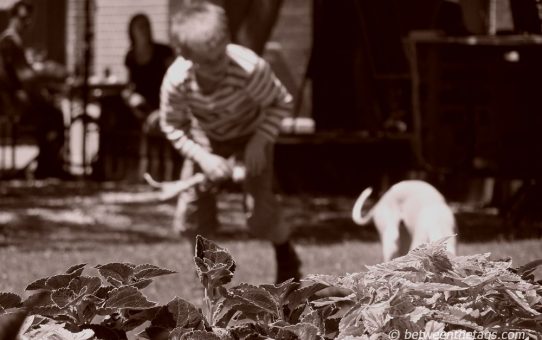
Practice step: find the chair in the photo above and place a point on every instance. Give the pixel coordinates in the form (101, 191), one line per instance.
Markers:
(11, 135)
(128, 149)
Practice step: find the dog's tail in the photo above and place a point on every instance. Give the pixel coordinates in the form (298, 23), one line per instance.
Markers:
(358, 206)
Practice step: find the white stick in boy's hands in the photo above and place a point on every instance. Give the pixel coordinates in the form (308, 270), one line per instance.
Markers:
(171, 189)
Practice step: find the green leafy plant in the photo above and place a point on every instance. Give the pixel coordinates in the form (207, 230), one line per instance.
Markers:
(428, 291)
(74, 306)
(425, 291)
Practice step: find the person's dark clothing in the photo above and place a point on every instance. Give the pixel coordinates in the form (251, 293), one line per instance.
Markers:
(12, 60)
(38, 110)
(119, 121)
(147, 78)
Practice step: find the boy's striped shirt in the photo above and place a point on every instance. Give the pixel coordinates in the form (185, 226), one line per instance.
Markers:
(250, 99)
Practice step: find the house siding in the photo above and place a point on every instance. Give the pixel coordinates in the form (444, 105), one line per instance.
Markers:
(110, 41)
(293, 31)
(111, 37)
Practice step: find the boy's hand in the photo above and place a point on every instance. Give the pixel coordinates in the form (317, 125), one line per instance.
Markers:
(255, 155)
(215, 168)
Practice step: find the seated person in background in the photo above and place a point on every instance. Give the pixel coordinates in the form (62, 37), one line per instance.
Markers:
(136, 111)
(24, 88)
(147, 62)
(220, 100)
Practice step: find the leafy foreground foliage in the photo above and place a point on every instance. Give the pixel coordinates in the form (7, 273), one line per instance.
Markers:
(425, 291)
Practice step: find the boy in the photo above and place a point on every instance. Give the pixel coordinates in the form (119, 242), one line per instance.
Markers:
(220, 100)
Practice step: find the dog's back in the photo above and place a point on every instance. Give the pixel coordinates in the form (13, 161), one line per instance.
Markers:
(416, 204)
(413, 199)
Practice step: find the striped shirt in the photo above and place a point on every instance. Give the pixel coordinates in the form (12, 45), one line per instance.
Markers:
(250, 99)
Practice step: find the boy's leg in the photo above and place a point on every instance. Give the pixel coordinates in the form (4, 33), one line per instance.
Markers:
(196, 209)
(265, 221)
(288, 262)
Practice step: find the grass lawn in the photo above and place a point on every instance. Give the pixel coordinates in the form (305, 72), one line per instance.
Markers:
(46, 228)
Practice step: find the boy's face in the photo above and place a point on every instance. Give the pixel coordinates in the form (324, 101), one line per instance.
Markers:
(211, 64)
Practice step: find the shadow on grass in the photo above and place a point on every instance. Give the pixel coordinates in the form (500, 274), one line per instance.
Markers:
(56, 215)
(35, 233)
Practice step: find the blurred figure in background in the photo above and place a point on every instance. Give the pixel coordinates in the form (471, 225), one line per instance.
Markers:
(25, 89)
(130, 134)
(147, 62)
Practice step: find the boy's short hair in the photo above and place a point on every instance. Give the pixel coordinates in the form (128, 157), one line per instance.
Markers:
(200, 26)
(15, 8)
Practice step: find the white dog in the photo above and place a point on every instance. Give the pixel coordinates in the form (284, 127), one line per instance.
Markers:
(419, 206)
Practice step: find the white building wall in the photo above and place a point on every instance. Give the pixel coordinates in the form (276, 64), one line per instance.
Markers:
(111, 36)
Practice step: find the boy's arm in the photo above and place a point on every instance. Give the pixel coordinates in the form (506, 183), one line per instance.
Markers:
(276, 102)
(175, 122)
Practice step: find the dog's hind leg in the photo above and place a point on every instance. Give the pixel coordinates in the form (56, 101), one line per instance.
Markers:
(435, 223)
(390, 244)
(387, 223)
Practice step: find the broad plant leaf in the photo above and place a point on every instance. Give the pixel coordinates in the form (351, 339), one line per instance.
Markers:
(57, 281)
(104, 332)
(314, 318)
(434, 327)
(38, 284)
(178, 333)
(87, 307)
(104, 291)
(63, 297)
(213, 274)
(184, 313)
(375, 319)
(148, 271)
(247, 331)
(164, 319)
(127, 297)
(224, 312)
(280, 291)
(59, 332)
(133, 318)
(199, 335)
(527, 269)
(85, 284)
(254, 299)
(301, 295)
(78, 268)
(350, 324)
(117, 273)
(155, 333)
(9, 300)
(279, 330)
(42, 303)
(304, 331)
(214, 265)
(323, 319)
(141, 284)
(419, 313)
